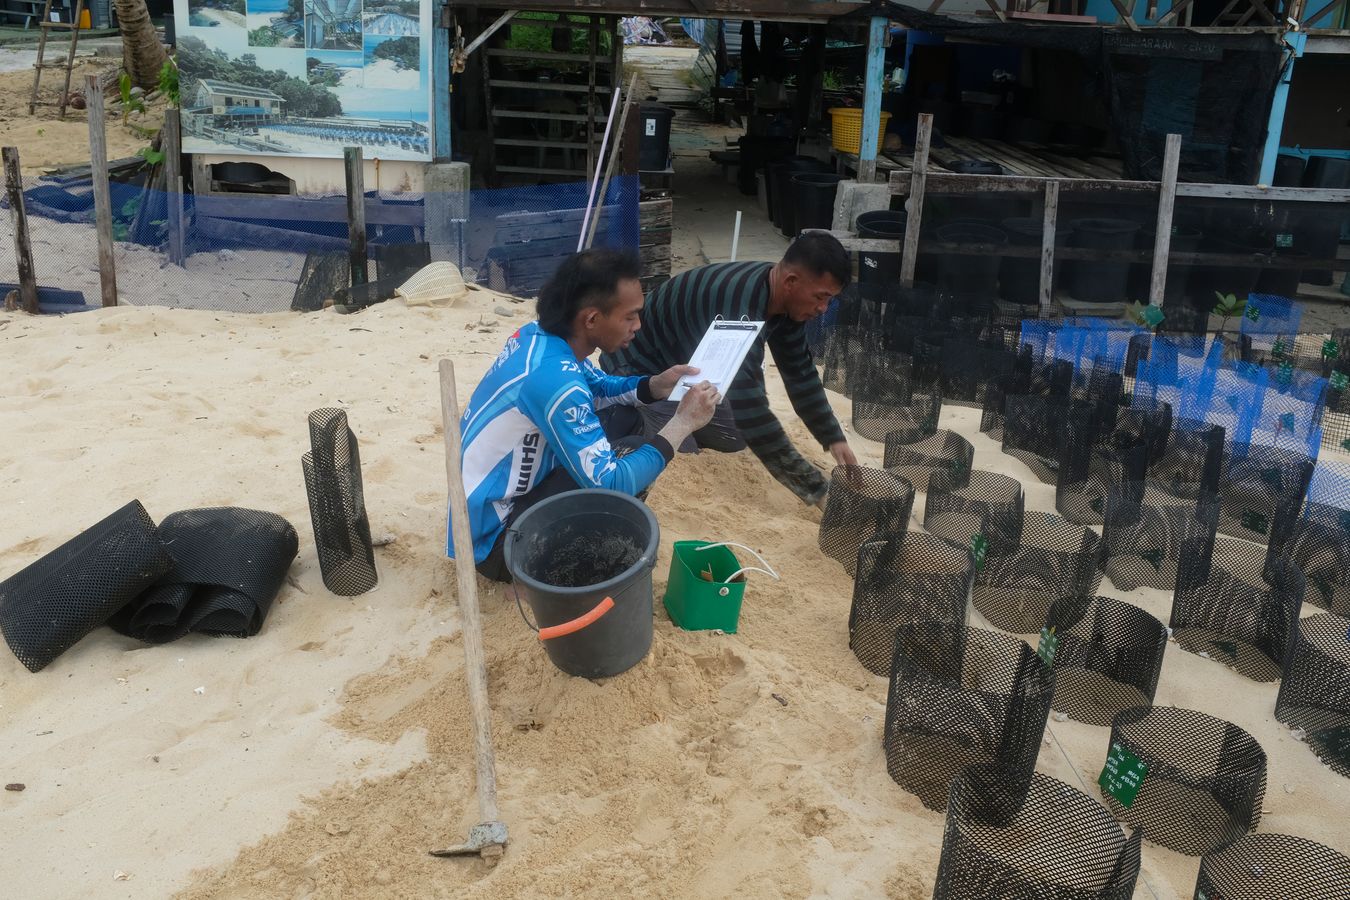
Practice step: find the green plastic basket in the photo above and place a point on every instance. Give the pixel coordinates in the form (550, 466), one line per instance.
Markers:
(695, 604)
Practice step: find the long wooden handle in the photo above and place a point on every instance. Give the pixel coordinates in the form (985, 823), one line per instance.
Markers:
(475, 664)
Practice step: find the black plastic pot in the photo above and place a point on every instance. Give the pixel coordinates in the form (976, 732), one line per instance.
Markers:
(1282, 282)
(1103, 281)
(963, 273)
(780, 189)
(987, 208)
(758, 152)
(813, 198)
(884, 224)
(1020, 277)
(1226, 278)
(654, 143)
(1184, 240)
(1322, 234)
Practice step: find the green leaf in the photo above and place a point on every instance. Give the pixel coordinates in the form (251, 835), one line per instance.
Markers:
(1047, 646)
(151, 155)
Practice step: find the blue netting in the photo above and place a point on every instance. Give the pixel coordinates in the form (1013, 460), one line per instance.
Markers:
(1268, 316)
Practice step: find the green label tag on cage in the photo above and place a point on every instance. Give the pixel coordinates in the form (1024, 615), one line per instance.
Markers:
(1345, 444)
(1153, 316)
(1097, 504)
(1278, 348)
(1284, 241)
(1123, 775)
(1254, 521)
(1285, 373)
(1330, 349)
(1334, 742)
(1049, 643)
(979, 548)
(1253, 314)
(1339, 380)
(1287, 421)
(1154, 557)
(1230, 648)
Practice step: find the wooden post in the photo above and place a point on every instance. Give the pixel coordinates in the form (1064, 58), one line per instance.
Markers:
(1167, 198)
(23, 250)
(1049, 222)
(98, 165)
(356, 212)
(170, 144)
(592, 45)
(910, 258)
(871, 118)
(440, 86)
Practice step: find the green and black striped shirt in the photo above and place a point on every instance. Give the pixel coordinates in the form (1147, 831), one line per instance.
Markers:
(673, 322)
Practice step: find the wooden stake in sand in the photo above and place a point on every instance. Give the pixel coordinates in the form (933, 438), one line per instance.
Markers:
(488, 838)
(98, 167)
(23, 251)
(356, 214)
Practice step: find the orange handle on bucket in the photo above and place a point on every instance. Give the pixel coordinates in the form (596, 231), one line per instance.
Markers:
(580, 622)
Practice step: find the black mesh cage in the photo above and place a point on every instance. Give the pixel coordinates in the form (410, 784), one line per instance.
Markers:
(1107, 658)
(1315, 689)
(944, 454)
(905, 579)
(1092, 465)
(1048, 841)
(967, 366)
(878, 376)
(1034, 429)
(962, 697)
(228, 565)
(1055, 559)
(1150, 421)
(1273, 867)
(1259, 486)
(984, 503)
(1204, 782)
(1192, 461)
(861, 503)
(1318, 545)
(1241, 611)
(1146, 533)
(337, 505)
(1052, 379)
(50, 604)
(909, 422)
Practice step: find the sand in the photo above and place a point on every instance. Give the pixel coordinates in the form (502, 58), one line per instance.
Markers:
(326, 755)
(385, 74)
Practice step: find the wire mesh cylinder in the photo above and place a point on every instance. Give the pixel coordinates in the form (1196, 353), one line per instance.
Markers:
(905, 579)
(1273, 867)
(961, 697)
(337, 505)
(1146, 533)
(1108, 657)
(1034, 431)
(1091, 468)
(1055, 559)
(1205, 779)
(1192, 460)
(862, 503)
(1318, 544)
(909, 421)
(986, 503)
(945, 453)
(967, 366)
(1315, 689)
(1243, 613)
(1260, 486)
(1051, 841)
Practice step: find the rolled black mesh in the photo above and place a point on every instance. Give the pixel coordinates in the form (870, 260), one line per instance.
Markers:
(1315, 689)
(1108, 657)
(337, 505)
(945, 454)
(1034, 429)
(909, 421)
(1318, 545)
(1092, 466)
(1273, 867)
(1048, 841)
(966, 367)
(905, 579)
(989, 503)
(961, 697)
(1260, 485)
(49, 605)
(1151, 422)
(861, 503)
(1192, 461)
(1147, 532)
(1055, 559)
(1243, 612)
(1205, 779)
(228, 565)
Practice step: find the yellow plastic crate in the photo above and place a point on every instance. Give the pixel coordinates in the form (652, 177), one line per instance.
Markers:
(846, 128)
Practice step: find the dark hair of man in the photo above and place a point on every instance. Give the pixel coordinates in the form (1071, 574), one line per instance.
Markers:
(588, 278)
(820, 254)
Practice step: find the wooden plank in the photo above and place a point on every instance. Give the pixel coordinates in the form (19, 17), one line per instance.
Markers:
(556, 145)
(354, 165)
(251, 233)
(1263, 192)
(1049, 220)
(538, 170)
(274, 208)
(545, 55)
(532, 114)
(1162, 241)
(591, 47)
(23, 248)
(978, 184)
(508, 84)
(875, 75)
(98, 160)
(1126, 15)
(170, 144)
(910, 256)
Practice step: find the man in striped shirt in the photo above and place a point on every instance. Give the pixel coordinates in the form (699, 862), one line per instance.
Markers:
(784, 295)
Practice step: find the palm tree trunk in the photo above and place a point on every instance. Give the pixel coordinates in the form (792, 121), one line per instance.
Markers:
(142, 53)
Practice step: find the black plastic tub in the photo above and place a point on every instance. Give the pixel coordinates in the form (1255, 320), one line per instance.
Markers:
(874, 266)
(964, 273)
(813, 198)
(654, 143)
(779, 187)
(1100, 281)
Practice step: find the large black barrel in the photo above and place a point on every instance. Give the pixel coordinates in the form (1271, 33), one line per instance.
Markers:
(962, 273)
(1100, 281)
(881, 224)
(780, 189)
(1323, 234)
(813, 198)
(654, 143)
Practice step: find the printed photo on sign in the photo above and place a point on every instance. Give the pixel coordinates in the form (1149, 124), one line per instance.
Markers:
(216, 13)
(392, 63)
(276, 23)
(333, 24)
(396, 18)
(334, 68)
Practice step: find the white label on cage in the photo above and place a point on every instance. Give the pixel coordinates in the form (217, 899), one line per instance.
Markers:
(651, 128)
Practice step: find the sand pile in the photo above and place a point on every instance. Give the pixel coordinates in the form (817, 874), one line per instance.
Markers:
(329, 753)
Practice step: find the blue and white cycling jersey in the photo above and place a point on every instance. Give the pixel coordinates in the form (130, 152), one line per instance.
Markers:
(535, 410)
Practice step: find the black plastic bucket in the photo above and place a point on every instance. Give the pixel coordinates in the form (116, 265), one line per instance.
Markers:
(654, 142)
(1323, 231)
(962, 273)
(813, 196)
(1184, 240)
(881, 224)
(608, 539)
(1230, 279)
(1282, 282)
(780, 189)
(1020, 277)
(1102, 281)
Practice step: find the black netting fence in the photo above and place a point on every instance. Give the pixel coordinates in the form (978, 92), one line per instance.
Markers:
(1241, 610)
(337, 505)
(1260, 486)
(1092, 465)
(1191, 462)
(960, 697)
(1201, 782)
(945, 455)
(1032, 838)
(902, 422)
(1107, 655)
(968, 365)
(1055, 559)
(1034, 429)
(985, 503)
(1273, 867)
(1318, 541)
(1315, 690)
(862, 503)
(1147, 533)
(48, 606)
(905, 579)
(875, 375)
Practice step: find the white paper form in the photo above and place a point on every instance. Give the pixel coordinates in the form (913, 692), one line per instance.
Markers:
(719, 355)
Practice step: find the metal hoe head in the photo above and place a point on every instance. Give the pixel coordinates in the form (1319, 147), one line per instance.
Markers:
(486, 839)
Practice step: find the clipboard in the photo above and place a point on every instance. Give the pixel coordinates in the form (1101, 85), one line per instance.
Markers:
(719, 355)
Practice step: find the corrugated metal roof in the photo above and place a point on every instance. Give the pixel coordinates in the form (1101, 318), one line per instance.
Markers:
(238, 90)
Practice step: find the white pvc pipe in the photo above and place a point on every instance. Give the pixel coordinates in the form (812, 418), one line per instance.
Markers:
(595, 180)
(736, 236)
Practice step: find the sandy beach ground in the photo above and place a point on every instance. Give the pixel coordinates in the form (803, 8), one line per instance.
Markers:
(223, 17)
(324, 757)
(385, 74)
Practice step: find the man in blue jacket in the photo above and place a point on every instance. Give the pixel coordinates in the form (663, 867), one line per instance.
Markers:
(542, 419)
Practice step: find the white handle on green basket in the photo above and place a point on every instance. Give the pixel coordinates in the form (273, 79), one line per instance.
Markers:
(767, 570)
